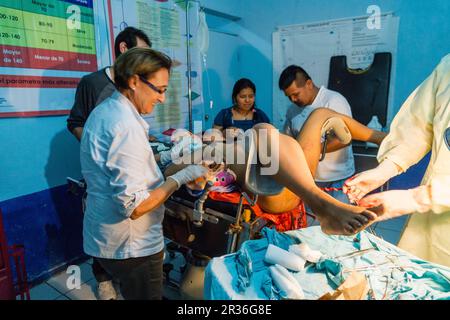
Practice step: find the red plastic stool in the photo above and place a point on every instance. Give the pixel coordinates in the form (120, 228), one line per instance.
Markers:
(17, 252)
(9, 290)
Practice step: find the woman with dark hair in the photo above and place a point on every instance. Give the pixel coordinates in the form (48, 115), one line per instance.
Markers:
(126, 191)
(243, 114)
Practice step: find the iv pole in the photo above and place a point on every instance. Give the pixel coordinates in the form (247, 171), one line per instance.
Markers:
(189, 67)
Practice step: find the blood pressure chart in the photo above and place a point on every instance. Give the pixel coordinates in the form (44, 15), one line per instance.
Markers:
(46, 46)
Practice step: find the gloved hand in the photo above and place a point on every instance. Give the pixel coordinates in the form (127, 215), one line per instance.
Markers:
(184, 145)
(165, 157)
(339, 128)
(395, 203)
(361, 184)
(190, 173)
(212, 135)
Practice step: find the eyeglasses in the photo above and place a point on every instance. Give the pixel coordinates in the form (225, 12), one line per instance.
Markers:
(151, 86)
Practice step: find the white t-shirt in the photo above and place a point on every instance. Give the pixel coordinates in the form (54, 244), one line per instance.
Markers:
(336, 165)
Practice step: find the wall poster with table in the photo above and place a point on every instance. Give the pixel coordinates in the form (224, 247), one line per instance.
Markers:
(46, 46)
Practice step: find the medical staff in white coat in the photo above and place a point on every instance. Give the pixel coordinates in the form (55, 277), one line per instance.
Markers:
(126, 190)
(421, 125)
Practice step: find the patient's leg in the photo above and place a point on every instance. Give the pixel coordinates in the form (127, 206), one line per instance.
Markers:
(335, 217)
(310, 141)
(310, 134)
(285, 201)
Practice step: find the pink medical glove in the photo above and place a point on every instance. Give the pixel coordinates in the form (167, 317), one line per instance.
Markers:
(395, 203)
(362, 183)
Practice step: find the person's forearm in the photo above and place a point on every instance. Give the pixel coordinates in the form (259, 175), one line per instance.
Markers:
(315, 197)
(157, 198)
(78, 132)
(174, 168)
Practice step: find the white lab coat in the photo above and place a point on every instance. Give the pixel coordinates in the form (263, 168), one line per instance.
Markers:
(418, 128)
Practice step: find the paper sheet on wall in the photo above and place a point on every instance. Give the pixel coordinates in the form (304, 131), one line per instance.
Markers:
(165, 24)
(312, 45)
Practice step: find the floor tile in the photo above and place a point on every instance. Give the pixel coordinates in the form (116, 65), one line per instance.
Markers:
(86, 291)
(59, 281)
(43, 292)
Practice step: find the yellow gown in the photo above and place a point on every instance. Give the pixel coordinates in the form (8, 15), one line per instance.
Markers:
(419, 127)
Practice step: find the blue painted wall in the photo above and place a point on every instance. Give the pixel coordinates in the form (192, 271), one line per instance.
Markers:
(37, 154)
(230, 7)
(49, 224)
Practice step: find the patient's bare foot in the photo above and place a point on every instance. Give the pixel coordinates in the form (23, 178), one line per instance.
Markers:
(343, 219)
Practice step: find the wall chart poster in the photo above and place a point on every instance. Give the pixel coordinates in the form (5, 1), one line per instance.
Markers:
(46, 46)
(165, 24)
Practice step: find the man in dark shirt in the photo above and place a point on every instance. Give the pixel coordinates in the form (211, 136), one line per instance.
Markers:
(96, 87)
(91, 91)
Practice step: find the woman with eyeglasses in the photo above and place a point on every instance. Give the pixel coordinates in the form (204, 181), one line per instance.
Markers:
(126, 190)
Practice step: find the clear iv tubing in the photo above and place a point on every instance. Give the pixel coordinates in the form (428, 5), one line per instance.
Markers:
(211, 102)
